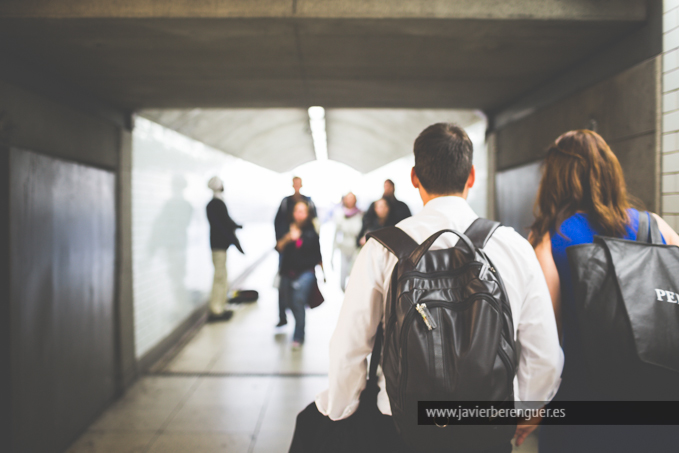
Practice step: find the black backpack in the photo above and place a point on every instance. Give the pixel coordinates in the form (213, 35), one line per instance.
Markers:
(627, 314)
(448, 335)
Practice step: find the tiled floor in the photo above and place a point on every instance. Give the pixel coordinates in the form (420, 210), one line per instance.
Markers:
(235, 387)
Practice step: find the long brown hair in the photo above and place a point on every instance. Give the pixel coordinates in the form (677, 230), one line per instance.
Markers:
(307, 222)
(581, 174)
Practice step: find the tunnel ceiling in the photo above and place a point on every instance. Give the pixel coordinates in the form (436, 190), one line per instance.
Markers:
(280, 139)
(464, 54)
(366, 139)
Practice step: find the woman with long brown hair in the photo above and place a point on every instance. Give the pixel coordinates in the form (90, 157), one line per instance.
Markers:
(582, 193)
(300, 253)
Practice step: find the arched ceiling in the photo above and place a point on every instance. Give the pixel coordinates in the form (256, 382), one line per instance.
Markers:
(366, 139)
(280, 139)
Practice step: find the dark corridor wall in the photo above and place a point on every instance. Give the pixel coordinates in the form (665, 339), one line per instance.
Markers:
(624, 109)
(62, 256)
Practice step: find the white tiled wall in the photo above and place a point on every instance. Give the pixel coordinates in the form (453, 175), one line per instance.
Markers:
(172, 267)
(670, 145)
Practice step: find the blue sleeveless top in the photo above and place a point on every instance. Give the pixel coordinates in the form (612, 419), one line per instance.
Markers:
(577, 229)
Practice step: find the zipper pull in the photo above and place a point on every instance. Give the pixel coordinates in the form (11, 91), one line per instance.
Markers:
(426, 315)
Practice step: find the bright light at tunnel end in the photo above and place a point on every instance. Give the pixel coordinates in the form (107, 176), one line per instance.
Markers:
(318, 135)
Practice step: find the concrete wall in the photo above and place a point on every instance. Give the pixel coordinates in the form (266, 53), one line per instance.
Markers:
(62, 296)
(623, 109)
(61, 321)
(38, 124)
(670, 114)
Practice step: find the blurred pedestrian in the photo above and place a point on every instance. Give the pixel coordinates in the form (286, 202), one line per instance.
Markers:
(222, 236)
(284, 215)
(398, 210)
(348, 224)
(300, 251)
(381, 219)
(282, 222)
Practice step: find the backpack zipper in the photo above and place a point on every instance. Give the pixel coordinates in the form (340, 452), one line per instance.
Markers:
(427, 275)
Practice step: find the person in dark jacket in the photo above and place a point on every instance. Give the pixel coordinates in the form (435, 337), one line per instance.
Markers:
(300, 251)
(222, 236)
(381, 219)
(282, 226)
(284, 215)
(398, 210)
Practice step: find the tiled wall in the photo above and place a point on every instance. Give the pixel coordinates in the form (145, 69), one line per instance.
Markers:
(670, 120)
(172, 267)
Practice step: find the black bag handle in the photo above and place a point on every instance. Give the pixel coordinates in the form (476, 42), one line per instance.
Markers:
(419, 252)
(648, 231)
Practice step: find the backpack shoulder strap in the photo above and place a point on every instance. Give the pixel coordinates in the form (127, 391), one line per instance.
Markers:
(480, 231)
(395, 240)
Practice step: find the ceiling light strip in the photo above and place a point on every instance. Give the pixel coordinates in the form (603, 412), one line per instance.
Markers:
(318, 135)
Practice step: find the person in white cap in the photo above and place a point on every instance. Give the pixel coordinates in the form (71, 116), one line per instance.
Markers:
(222, 236)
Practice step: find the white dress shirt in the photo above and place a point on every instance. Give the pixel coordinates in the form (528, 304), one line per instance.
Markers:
(541, 357)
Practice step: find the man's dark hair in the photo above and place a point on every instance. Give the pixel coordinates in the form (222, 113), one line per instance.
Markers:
(443, 158)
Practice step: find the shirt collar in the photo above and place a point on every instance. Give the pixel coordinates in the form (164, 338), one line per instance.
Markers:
(451, 206)
(448, 202)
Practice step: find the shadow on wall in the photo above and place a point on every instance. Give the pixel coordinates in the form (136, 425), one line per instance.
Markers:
(169, 240)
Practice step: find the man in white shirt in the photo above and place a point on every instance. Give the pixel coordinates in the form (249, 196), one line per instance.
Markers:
(443, 174)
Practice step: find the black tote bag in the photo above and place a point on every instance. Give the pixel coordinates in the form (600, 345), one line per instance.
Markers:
(626, 304)
(362, 432)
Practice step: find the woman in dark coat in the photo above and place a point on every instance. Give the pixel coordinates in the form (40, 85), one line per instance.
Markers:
(301, 252)
(381, 219)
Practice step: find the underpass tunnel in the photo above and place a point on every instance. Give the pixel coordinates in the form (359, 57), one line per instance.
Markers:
(176, 152)
(114, 116)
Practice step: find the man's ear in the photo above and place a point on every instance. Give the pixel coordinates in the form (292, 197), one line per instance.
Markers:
(414, 179)
(472, 178)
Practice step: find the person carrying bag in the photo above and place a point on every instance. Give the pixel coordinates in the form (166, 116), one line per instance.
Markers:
(300, 254)
(618, 339)
(450, 324)
(627, 295)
